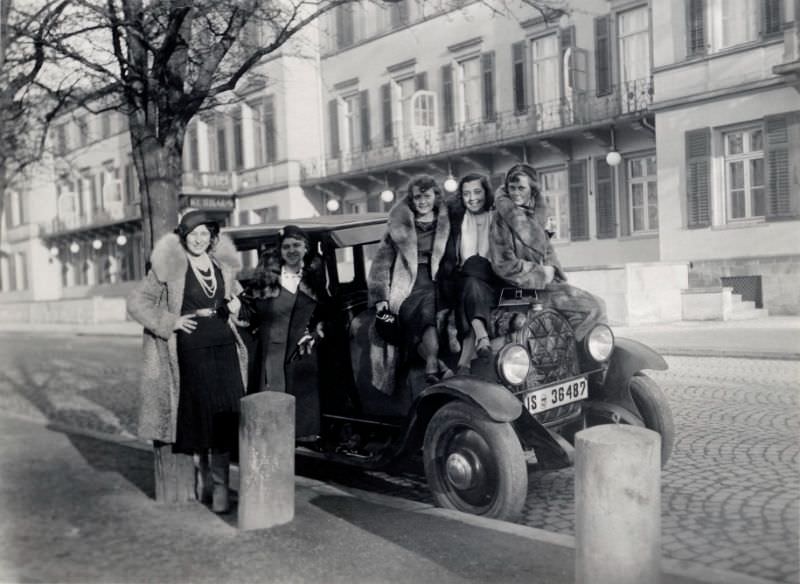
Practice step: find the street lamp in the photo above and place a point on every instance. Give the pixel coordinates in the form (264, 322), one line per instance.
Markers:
(121, 239)
(387, 195)
(97, 244)
(613, 158)
(332, 205)
(74, 247)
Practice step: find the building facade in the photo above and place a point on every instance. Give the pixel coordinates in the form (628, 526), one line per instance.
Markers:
(666, 135)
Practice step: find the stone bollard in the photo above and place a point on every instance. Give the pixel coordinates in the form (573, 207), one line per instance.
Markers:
(266, 460)
(617, 505)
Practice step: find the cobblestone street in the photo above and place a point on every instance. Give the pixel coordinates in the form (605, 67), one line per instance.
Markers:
(729, 493)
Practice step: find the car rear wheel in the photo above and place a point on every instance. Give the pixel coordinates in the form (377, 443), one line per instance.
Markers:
(655, 411)
(474, 464)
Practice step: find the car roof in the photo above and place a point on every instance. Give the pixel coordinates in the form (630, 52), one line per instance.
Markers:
(343, 230)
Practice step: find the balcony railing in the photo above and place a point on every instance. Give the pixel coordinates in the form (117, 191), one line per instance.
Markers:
(541, 119)
(114, 213)
(206, 182)
(271, 175)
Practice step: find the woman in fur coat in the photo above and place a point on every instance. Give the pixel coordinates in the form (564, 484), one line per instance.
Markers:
(523, 256)
(466, 275)
(402, 276)
(286, 308)
(195, 364)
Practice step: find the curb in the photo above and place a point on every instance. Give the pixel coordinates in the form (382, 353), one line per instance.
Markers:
(726, 353)
(678, 568)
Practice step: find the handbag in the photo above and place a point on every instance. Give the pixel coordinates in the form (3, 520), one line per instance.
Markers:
(387, 325)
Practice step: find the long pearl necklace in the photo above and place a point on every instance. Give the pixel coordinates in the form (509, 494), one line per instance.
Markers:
(207, 283)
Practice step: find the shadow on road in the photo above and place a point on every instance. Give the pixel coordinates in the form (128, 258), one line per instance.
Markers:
(135, 465)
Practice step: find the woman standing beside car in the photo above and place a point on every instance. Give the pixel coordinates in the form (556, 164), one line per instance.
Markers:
(402, 278)
(195, 363)
(286, 308)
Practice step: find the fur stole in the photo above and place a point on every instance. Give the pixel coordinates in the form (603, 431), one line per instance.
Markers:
(168, 260)
(403, 233)
(527, 225)
(268, 276)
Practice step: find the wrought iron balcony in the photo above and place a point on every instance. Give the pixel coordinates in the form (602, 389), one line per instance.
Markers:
(102, 218)
(196, 182)
(540, 120)
(271, 175)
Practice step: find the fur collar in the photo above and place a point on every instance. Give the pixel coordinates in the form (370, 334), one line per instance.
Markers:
(404, 233)
(312, 279)
(168, 260)
(507, 208)
(527, 225)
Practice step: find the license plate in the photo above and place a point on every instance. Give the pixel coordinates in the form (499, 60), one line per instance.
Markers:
(553, 396)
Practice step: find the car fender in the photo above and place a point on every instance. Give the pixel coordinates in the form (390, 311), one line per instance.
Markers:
(492, 398)
(629, 358)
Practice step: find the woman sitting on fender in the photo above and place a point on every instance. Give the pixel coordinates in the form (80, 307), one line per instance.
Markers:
(286, 306)
(467, 279)
(402, 276)
(523, 256)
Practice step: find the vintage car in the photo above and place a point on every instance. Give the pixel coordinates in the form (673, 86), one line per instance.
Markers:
(480, 434)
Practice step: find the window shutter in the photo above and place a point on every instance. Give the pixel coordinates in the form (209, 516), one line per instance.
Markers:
(578, 203)
(487, 74)
(602, 54)
(695, 27)
(771, 17)
(780, 203)
(386, 108)
(604, 200)
(698, 178)
(333, 116)
(519, 63)
(366, 133)
(421, 81)
(624, 205)
(567, 37)
(447, 97)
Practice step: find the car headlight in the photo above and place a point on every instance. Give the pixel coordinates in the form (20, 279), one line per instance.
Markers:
(600, 343)
(513, 364)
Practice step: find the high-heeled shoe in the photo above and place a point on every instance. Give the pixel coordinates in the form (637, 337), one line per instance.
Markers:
(483, 347)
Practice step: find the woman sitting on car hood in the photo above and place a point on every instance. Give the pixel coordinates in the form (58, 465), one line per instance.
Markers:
(523, 256)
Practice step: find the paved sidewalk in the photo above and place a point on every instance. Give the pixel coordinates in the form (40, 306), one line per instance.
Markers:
(773, 337)
(78, 508)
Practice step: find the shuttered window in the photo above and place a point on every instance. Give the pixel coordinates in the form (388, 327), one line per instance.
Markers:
(487, 75)
(698, 178)
(447, 98)
(778, 150)
(604, 200)
(386, 113)
(366, 135)
(695, 27)
(333, 119)
(624, 206)
(771, 17)
(602, 55)
(519, 74)
(578, 201)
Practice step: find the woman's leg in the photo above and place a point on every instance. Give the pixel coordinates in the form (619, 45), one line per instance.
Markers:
(428, 349)
(482, 345)
(220, 473)
(467, 351)
(203, 486)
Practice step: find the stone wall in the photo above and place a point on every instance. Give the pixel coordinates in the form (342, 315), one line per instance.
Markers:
(780, 278)
(81, 311)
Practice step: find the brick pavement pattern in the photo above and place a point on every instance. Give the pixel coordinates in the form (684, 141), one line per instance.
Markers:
(729, 493)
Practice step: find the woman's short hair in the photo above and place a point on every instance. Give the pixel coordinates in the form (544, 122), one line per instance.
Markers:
(190, 219)
(487, 188)
(522, 169)
(424, 182)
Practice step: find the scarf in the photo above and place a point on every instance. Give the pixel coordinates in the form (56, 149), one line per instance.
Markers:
(474, 237)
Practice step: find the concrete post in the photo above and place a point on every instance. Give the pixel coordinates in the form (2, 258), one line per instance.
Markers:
(617, 505)
(174, 475)
(266, 460)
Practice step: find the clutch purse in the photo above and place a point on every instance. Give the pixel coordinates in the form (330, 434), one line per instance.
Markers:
(387, 326)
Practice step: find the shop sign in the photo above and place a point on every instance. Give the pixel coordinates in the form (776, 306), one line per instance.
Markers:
(221, 203)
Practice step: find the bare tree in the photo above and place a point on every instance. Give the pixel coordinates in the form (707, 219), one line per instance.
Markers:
(25, 110)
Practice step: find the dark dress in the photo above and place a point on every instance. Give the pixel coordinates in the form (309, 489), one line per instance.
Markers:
(469, 285)
(211, 382)
(281, 322)
(418, 310)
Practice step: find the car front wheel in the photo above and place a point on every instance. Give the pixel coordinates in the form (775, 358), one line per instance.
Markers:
(655, 411)
(474, 464)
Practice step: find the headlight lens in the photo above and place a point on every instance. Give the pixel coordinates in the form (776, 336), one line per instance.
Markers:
(600, 343)
(513, 364)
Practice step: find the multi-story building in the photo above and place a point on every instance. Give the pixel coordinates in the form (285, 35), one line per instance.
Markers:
(385, 91)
